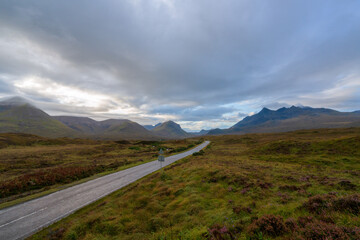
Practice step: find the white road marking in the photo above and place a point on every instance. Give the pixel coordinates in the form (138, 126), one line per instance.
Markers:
(23, 217)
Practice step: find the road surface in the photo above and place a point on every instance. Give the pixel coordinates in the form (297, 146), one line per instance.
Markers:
(20, 221)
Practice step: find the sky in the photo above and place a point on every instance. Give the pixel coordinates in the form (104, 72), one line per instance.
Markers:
(204, 64)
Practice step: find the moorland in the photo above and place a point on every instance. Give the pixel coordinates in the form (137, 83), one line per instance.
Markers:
(31, 165)
(296, 185)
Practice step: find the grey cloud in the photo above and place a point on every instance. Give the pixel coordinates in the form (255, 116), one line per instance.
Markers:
(194, 114)
(206, 52)
(5, 88)
(241, 115)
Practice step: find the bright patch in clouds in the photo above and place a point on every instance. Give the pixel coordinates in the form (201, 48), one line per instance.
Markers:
(71, 95)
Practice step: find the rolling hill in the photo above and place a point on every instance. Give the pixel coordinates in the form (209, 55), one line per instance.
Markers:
(290, 119)
(82, 125)
(114, 128)
(18, 116)
(110, 129)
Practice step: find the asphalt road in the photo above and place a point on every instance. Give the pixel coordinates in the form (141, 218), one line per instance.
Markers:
(20, 221)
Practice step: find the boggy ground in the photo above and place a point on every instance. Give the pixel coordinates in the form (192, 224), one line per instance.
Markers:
(298, 185)
(31, 164)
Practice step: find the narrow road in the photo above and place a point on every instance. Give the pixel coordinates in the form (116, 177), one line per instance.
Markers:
(20, 221)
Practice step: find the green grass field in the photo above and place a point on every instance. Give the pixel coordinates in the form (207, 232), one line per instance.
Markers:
(298, 185)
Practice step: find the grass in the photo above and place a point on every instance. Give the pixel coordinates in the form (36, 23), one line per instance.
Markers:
(255, 186)
(32, 166)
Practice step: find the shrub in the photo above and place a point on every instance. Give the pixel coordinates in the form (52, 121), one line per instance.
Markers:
(291, 224)
(284, 197)
(201, 152)
(353, 233)
(56, 234)
(290, 188)
(218, 232)
(265, 185)
(46, 177)
(302, 221)
(268, 224)
(239, 209)
(322, 230)
(319, 203)
(134, 148)
(347, 185)
(350, 203)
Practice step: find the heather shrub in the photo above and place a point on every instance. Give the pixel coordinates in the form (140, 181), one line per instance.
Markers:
(346, 185)
(350, 203)
(323, 231)
(44, 178)
(291, 224)
(218, 232)
(353, 233)
(319, 203)
(290, 188)
(265, 185)
(268, 224)
(239, 209)
(302, 221)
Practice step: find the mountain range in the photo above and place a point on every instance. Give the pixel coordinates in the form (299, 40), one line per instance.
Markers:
(290, 119)
(19, 116)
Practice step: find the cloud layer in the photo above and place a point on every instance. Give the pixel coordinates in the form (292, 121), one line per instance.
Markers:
(198, 62)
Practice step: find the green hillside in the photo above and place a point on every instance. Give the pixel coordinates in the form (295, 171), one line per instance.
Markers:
(25, 118)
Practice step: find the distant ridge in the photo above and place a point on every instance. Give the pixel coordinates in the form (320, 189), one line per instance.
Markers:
(17, 115)
(292, 118)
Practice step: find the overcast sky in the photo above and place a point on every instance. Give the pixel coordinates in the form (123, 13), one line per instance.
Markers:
(203, 63)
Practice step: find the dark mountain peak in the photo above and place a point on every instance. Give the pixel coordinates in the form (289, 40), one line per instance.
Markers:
(170, 129)
(170, 124)
(265, 110)
(281, 109)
